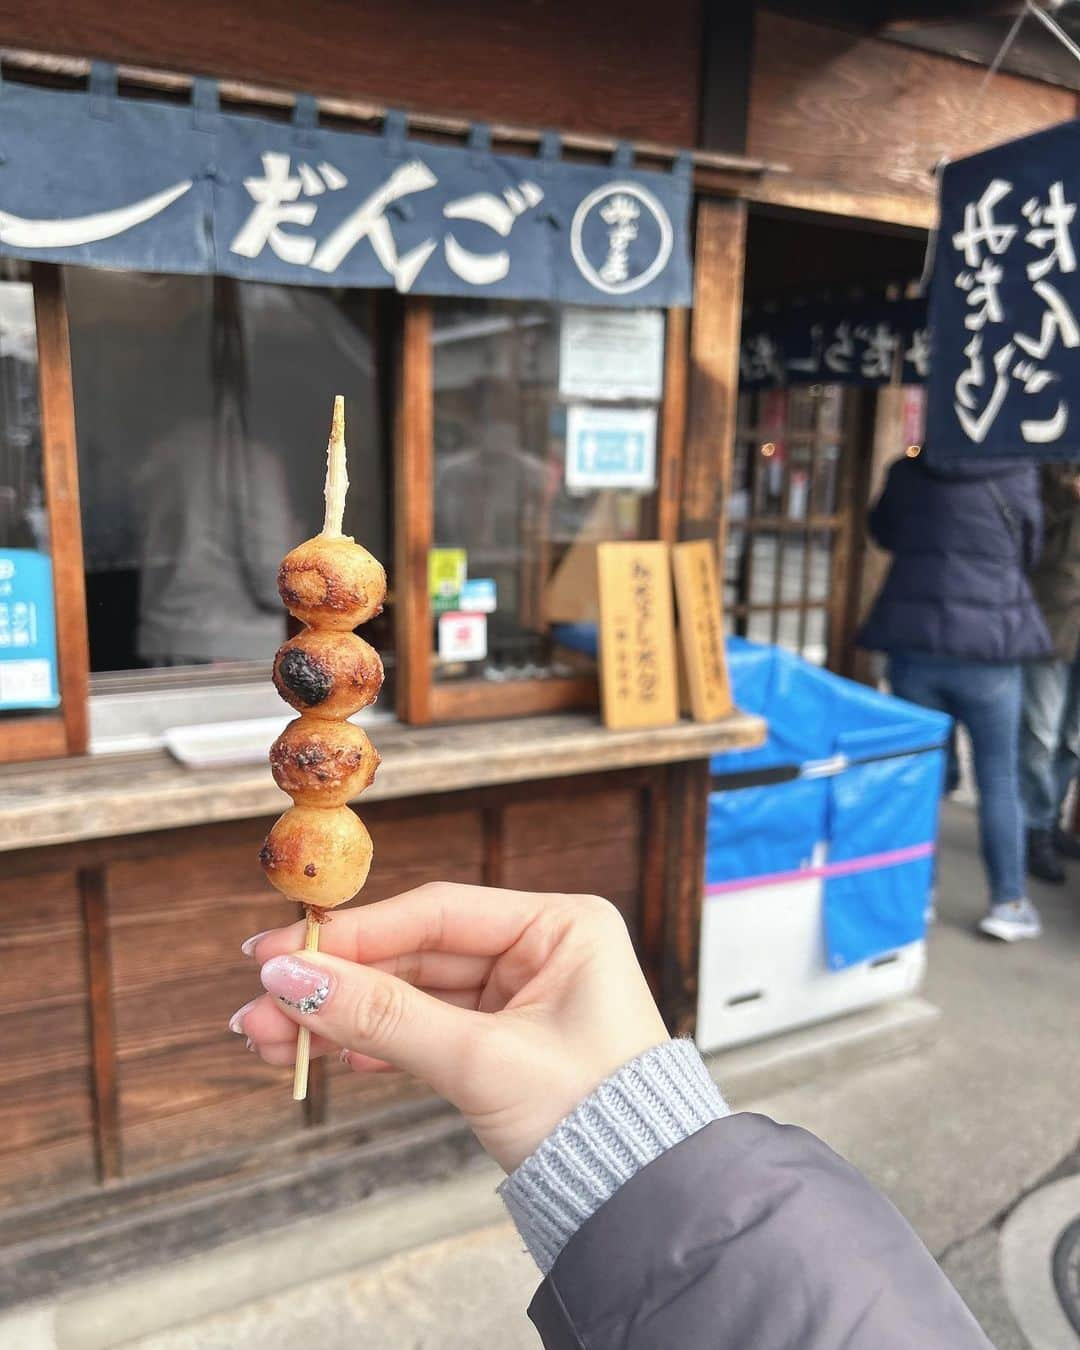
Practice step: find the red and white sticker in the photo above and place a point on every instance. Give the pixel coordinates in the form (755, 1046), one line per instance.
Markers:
(462, 637)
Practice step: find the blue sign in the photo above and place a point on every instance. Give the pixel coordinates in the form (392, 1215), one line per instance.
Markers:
(105, 181)
(27, 630)
(861, 342)
(478, 595)
(1005, 303)
(610, 447)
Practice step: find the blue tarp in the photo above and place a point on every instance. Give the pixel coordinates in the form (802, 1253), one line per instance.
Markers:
(874, 809)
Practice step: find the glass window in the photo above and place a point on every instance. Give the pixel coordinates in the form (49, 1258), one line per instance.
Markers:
(23, 522)
(202, 407)
(815, 640)
(500, 491)
(28, 677)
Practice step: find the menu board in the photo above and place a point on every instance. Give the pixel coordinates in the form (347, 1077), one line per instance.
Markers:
(638, 677)
(700, 630)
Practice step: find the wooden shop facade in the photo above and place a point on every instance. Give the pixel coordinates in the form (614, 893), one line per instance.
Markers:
(161, 444)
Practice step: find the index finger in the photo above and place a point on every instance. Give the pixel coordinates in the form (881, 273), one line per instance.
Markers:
(442, 916)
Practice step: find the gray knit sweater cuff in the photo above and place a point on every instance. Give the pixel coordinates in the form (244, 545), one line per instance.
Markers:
(653, 1103)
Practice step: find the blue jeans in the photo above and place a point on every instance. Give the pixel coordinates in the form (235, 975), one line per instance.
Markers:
(984, 696)
(1050, 738)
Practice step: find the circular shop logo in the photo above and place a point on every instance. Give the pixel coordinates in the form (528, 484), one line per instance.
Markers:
(621, 238)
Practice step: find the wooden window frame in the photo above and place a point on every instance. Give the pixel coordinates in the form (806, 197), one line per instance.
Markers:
(838, 525)
(420, 699)
(63, 732)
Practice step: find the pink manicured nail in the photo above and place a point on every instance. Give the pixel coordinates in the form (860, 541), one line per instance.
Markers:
(236, 1021)
(303, 987)
(249, 944)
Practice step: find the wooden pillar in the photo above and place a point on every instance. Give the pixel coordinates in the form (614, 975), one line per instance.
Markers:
(871, 563)
(92, 889)
(413, 489)
(727, 63)
(707, 462)
(714, 369)
(687, 794)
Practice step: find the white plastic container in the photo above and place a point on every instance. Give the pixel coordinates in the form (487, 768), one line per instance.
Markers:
(763, 966)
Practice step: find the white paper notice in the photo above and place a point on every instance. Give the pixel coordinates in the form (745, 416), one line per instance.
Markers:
(610, 448)
(611, 354)
(462, 637)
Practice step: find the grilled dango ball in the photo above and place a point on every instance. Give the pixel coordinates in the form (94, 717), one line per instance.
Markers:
(332, 582)
(322, 763)
(328, 674)
(319, 857)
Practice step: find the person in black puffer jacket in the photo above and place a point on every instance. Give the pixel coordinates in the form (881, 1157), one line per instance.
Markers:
(1050, 740)
(957, 618)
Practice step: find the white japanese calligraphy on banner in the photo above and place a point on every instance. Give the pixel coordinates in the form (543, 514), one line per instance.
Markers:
(863, 342)
(1003, 303)
(106, 181)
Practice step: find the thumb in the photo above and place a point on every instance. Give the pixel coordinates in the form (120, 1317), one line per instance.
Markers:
(372, 1011)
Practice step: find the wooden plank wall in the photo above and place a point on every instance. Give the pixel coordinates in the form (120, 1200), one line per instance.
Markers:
(46, 1105)
(553, 63)
(115, 1061)
(872, 116)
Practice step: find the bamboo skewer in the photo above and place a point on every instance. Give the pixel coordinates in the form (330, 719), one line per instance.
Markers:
(303, 1037)
(337, 485)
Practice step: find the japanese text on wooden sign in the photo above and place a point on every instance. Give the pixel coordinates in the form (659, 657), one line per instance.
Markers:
(1004, 303)
(638, 676)
(701, 636)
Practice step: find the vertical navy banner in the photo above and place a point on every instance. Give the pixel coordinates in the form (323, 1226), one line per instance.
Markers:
(105, 181)
(1005, 303)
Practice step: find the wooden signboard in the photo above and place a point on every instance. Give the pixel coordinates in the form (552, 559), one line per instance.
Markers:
(638, 681)
(700, 632)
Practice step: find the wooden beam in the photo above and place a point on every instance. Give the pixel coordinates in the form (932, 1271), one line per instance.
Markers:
(413, 513)
(62, 501)
(844, 581)
(42, 737)
(368, 114)
(92, 888)
(714, 369)
(653, 887)
(672, 425)
(480, 700)
(688, 793)
(909, 212)
(727, 60)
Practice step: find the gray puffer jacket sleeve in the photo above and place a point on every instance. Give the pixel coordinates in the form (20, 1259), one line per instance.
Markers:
(749, 1235)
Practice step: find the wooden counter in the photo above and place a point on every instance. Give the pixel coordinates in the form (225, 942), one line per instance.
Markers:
(62, 802)
(131, 881)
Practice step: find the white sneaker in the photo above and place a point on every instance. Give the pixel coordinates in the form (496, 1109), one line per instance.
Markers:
(1011, 922)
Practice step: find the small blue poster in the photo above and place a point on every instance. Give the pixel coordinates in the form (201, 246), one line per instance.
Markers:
(27, 630)
(610, 448)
